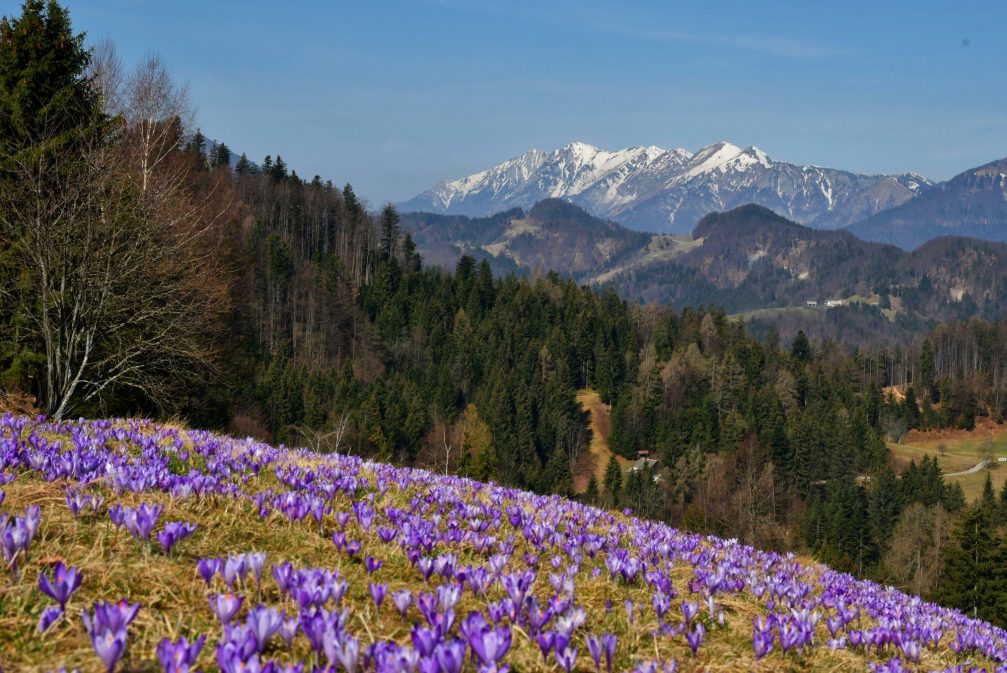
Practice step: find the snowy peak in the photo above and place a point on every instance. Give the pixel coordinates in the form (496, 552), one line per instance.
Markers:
(669, 190)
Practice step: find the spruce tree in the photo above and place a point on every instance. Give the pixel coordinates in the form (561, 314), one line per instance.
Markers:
(389, 232)
(591, 494)
(987, 502)
(613, 482)
(972, 581)
(1000, 515)
(46, 97)
(244, 166)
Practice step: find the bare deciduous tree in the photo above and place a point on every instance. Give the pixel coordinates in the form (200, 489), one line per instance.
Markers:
(916, 554)
(119, 284)
(107, 76)
(157, 113)
(987, 455)
(327, 439)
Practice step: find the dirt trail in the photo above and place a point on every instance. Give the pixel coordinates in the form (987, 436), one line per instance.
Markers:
(595, 459)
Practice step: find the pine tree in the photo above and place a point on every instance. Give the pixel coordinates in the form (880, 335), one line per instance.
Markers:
(412, 262)
(613, 482)
(988, 503)
(389, 232)
(912, 409)
(953, 498)
(244, 166)
(591, 494)
(972, 581)
(1000, 514)
(800, 347)
(220, 155)
(46, 97)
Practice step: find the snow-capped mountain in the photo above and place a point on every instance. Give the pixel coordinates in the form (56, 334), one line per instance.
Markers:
(653, 189)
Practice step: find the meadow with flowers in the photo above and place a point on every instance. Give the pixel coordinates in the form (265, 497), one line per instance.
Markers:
(134, 546)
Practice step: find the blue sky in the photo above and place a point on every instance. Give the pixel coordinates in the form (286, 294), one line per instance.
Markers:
(393, 96)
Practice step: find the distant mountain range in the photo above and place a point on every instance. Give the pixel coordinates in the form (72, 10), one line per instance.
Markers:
(668, 191)
(749, 260)
(973, 203)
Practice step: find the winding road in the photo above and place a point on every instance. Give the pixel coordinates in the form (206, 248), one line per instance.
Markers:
(975, 468)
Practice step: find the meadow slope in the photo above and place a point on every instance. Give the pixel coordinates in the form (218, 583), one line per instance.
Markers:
(298, 561)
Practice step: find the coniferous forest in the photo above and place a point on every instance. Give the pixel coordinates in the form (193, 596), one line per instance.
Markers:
(148, 271)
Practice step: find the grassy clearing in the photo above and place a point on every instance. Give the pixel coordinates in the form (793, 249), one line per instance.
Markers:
(961, 451)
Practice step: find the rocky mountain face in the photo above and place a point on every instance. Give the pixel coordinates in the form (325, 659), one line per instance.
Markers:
(973, 203)
(748, 260)
(668, 191)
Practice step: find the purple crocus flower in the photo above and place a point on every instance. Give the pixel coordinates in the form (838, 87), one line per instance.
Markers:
(263, 622)
(173, 533)
(64, 582)
(110, 616)
(567, 658)
(74, 501)
(107, 629)
(16, 535)
(208, 567)
(450, 655)
(288, 631)
(402, 598)
(49, 617)
(490, 644)
(283, 573)
(179, 656)
(109, 646)
(378, 591)
(372, 564)
(546, 640)
(608, 642)
(594, 647)
(117, 514)
(347, 653)
(695, 637)
(140, 522)
(689, 610)
(762, 643)
(235, 567)
(225, 606)
(257, 563)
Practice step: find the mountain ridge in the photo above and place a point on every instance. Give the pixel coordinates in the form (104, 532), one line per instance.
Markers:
(744, 260)
(647, 188)
(972, 203)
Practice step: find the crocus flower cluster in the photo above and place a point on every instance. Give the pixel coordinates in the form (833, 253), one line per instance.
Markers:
(495, 572)
(173, 533)
(17, 534)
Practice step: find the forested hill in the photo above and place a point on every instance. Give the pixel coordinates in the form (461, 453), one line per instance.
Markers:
(745, 260)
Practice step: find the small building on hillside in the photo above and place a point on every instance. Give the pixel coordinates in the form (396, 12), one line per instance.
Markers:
(811, 303)
(833, 303)
(643, 463)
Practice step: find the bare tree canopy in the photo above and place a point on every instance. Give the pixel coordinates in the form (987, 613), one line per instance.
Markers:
(114, 259)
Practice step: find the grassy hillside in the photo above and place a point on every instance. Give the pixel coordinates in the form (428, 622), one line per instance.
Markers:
(486, 578)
